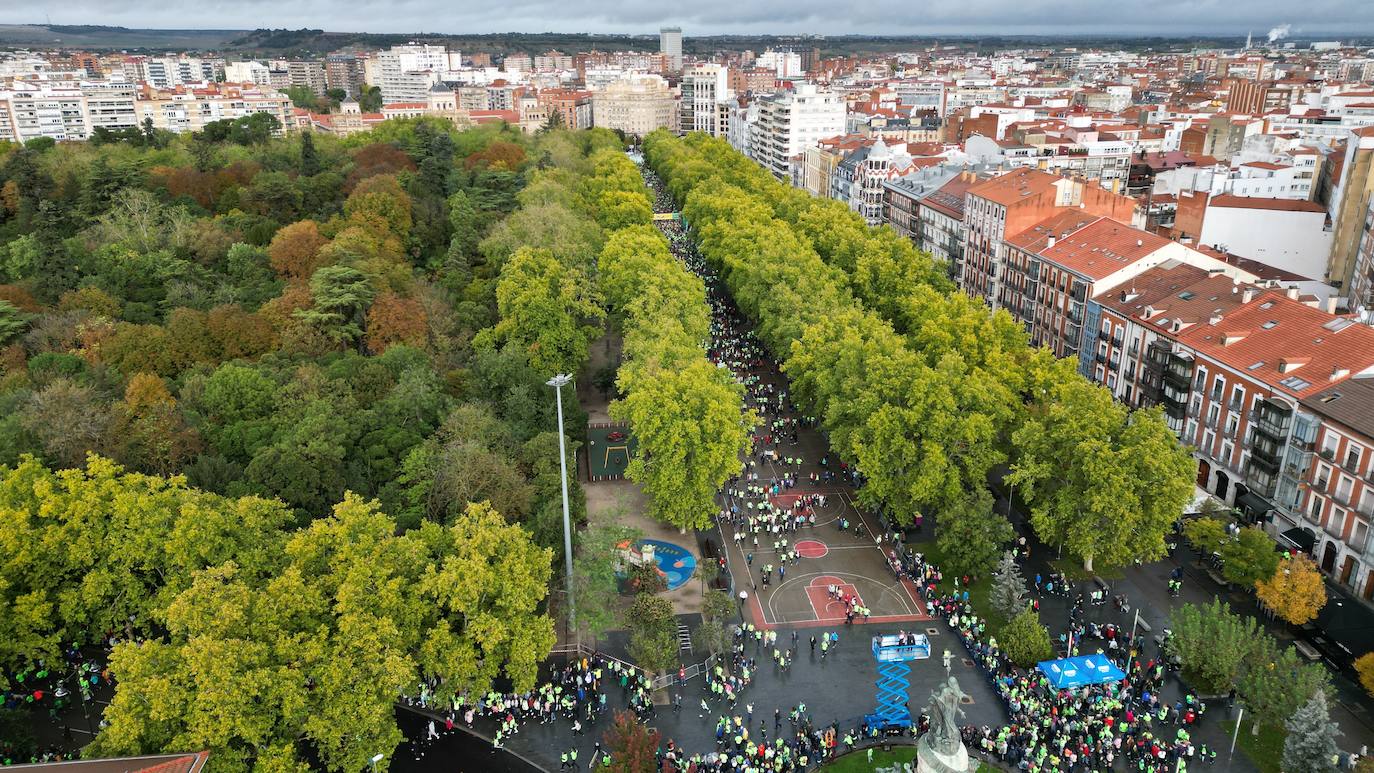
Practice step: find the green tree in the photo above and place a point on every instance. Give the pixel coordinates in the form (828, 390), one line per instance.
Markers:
(369, 98)
(1249, 558)
(341, 295)
(971, 536)
(1101, 481)
(13, 322)
(465, 225)
(1276, 681)
(314, 646)
(1213, 644)
(1311, 742)
(544, 308)
(596, 570)
(1008, 595)
(1206, 535)
(653, 632)
(690, 433)
(1025, 640)
(310, 158)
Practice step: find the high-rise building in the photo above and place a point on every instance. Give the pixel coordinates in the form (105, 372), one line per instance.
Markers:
(670, 43)
(343, 71)
(791, 121)
(704, 86)
(407, 72)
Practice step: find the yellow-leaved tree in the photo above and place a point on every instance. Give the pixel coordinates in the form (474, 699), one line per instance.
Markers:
(1295, 592)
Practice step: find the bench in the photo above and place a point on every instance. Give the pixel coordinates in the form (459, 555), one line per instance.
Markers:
(1307, 651)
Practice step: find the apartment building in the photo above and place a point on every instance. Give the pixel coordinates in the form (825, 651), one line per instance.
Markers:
(1010, 203)
(635, 105)
(1338, 507)
(791, 121)
(1056, 269)
(64, 110)
(343, 71)
(406, 73)
(573, 107)
(704, 88)
(185, 110)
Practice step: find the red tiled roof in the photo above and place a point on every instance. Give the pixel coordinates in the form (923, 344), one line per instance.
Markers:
(1014, 186)
(1103, 247)
(1273, 327)
(1255, 202)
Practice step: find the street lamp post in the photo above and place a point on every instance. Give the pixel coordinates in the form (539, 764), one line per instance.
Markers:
(557, 382)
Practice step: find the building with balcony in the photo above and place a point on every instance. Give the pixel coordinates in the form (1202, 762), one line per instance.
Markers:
(789, 122)
(1339, 499)
(1013, 202)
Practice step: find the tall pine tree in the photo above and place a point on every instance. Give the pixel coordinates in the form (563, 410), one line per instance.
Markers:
(1008, 594)
(1311, 743)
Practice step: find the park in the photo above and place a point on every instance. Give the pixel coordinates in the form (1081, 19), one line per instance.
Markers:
(532, 453)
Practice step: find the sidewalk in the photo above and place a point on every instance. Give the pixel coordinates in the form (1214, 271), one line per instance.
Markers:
(1146, 586)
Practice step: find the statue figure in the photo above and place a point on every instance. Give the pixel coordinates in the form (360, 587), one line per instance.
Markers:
(942, 748)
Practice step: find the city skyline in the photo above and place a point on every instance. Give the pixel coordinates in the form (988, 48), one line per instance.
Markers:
(984, 17)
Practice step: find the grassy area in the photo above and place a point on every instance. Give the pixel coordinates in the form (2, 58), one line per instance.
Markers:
(858, 761)
(1072, 568)
(1265, 749)
(977, 594)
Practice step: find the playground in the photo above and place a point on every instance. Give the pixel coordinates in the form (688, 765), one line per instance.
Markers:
(609, 447)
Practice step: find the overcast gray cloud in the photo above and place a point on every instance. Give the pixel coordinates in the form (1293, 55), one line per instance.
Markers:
(1312, 17)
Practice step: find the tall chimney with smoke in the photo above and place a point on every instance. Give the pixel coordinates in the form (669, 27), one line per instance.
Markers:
(1279, 33)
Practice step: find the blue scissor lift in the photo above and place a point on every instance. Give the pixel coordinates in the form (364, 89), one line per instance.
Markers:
(892, 658)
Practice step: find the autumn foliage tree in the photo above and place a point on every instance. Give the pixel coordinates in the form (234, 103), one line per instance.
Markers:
(633, 747)
(295, 249)
(150, 429)
(1296, 591)
(393, 319)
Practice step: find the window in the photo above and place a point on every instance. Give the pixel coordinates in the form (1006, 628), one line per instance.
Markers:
(1343, 489)
(1352, 457)
(1314, 508)
(1330, 442)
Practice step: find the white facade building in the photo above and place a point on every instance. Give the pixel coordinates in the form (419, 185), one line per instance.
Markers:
(1283, 233)
(704, 88)
(791, 121)
(406, 73)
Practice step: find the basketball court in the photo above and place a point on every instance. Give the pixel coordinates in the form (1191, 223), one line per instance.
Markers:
(850, 559)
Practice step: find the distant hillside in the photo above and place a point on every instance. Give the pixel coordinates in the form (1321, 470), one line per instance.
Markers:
(95, 37)
(316, 42)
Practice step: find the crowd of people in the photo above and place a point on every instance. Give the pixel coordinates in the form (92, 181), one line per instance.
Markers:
(65, 693)
(1120, 724)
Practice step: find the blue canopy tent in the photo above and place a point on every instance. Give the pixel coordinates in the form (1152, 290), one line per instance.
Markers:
(1068, 673)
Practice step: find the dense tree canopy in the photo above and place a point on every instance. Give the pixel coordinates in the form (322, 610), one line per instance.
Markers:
(916, 384)
(269, 341)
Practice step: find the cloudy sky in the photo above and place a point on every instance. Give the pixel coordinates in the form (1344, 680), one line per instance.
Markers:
(1312, 17)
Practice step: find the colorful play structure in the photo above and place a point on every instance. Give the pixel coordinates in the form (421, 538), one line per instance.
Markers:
(675, 564)
(892, 653)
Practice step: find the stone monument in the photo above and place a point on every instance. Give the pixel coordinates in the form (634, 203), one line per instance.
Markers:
(941, 750)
